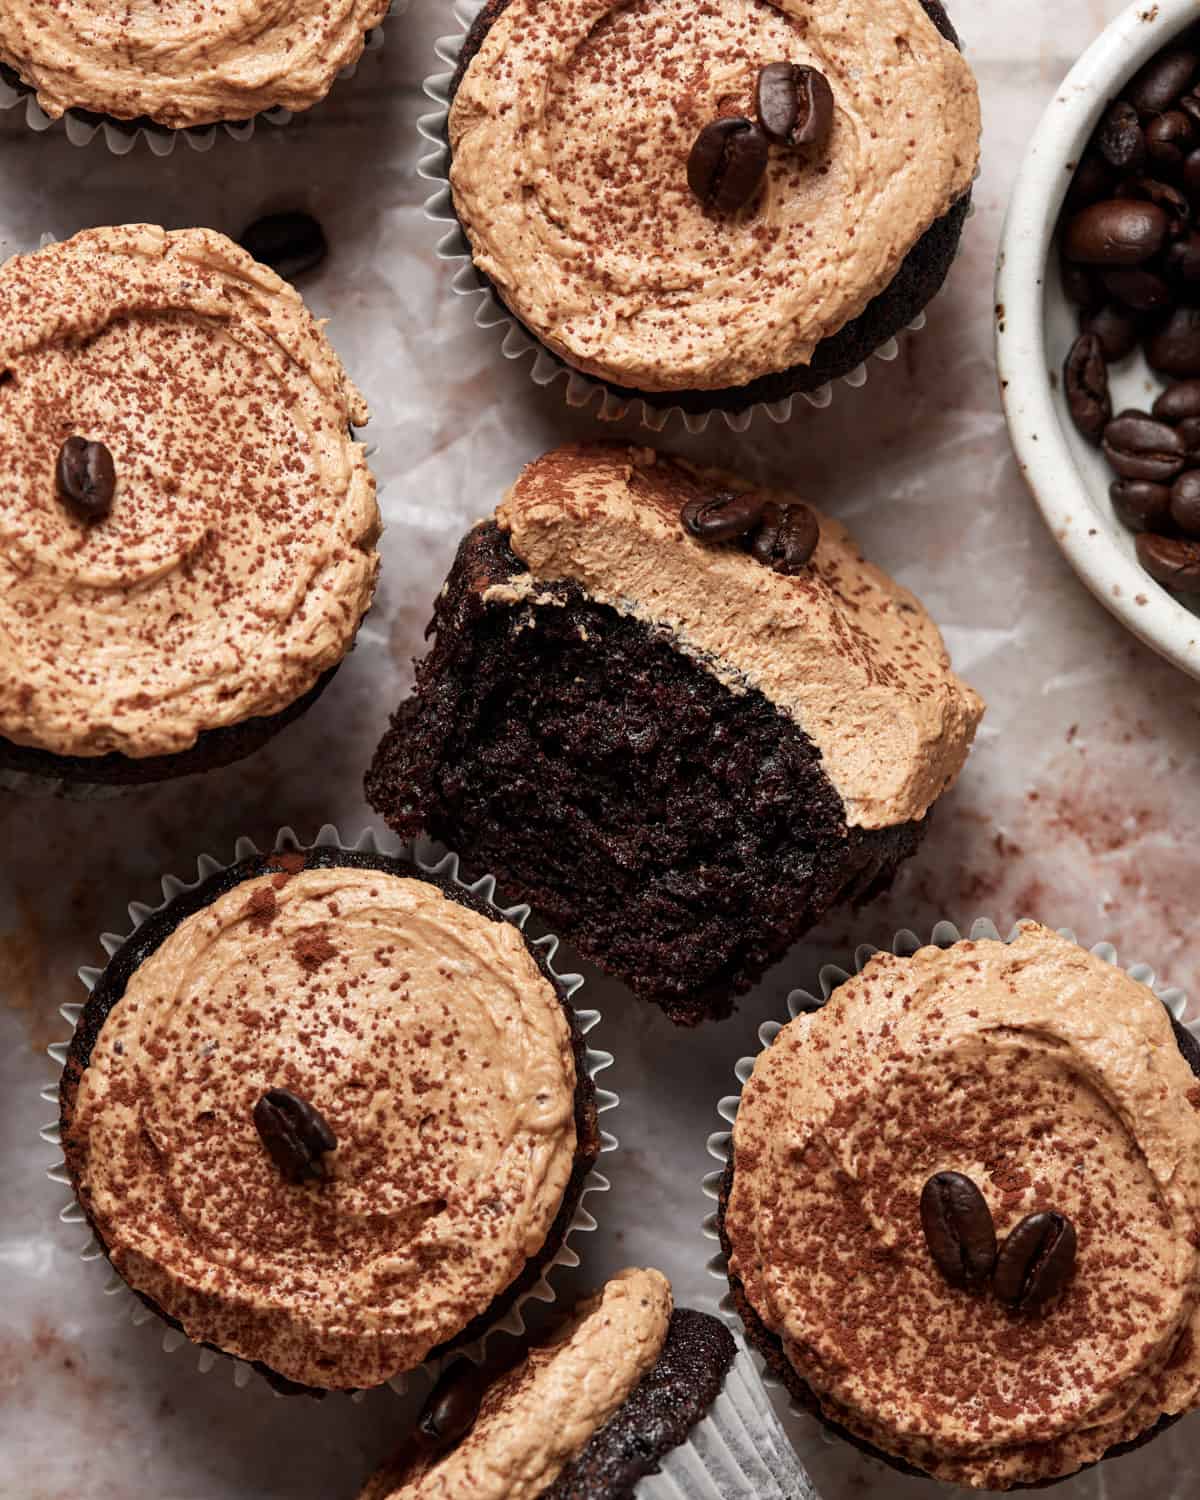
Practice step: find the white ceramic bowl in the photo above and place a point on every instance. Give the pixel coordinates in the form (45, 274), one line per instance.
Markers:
(1035, 327)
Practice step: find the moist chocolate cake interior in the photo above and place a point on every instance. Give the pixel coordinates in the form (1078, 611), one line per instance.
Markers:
(682, 835)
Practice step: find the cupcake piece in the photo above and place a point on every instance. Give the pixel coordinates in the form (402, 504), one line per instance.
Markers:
(181, 66)
(328, 1114)
(1059, 1087)
(682, 755)
(629, 1389)
(690, 280)
(187, 525)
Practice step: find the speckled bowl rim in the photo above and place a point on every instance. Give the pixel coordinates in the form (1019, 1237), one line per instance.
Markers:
(431, 859)
(830, 976)
(1082, 523)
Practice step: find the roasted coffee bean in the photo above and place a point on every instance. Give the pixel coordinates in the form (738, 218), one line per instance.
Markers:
(1168, 139)
(724, 515)
(86, 477)
(1190, 105)
(1156, 87)
(727, 164)
(295, 1134)
(1185, 501)
(1080, 285)
(1116, 232)
(958, 1228)
(1115, 327)
(786, 537)
(1119, 137)
(453, 1405)
(1093, 180)
(1141, 505)
(1171, 561)
(1036, 1260)
(1190, 175)
(795, 104)
(1172, 202)
(1138, 447)
(1189, 431)
(1137, 288)
(1181, 259)
(1085, 380)
(1174, 349)
(290, 243)
(1178, 401)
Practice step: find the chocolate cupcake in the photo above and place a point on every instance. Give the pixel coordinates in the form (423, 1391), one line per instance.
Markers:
(633, 1397)
(959, 1212)
(328, 1112)
(619, 195)
(683, 751)
(179, 67)
(187, 525)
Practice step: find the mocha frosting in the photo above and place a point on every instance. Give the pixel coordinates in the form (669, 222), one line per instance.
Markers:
(183, 64)
(430, 1041)
(537, 1418)
(841, 649)
(570, 133)
(1054, 1081)
(239, 555)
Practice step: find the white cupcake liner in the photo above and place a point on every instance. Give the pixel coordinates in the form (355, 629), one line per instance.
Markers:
(428, 859)
(120, 140)
(904, 945)
(737, 1451)
(517, 342)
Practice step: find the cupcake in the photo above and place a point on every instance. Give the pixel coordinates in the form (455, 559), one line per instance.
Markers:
(176, 67)
(329, 1114)
(961, 1212)
(712, 206)
(631, 1397)
(681, 716)
(187, 525)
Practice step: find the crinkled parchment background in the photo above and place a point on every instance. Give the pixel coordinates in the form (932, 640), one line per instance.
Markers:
(1081, 804)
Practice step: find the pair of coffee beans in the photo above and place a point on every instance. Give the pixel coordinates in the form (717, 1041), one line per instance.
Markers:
(728, 161)
(1130, 248)
(782, 537)
(1027, 1271)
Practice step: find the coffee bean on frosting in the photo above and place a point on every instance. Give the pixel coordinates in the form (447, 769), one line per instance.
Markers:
(727, 163)
(290, 243)
(294, 1133)
(794, 104)
(86, 477)
(453, 1405)
(1171, 561)
(1035, 1262)
(723, 516)
(959, 1230)
(1085, 380)
(786, 537)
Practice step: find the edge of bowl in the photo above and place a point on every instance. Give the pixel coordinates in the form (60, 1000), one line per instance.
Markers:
(1022, 359)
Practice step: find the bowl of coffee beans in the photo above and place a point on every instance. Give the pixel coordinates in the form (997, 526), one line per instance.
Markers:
(1098, 322)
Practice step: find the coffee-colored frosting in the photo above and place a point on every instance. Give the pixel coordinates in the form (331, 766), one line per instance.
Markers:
(1054, 1081)
(570, 134)
(239, 555)
(842, 649)
(540, 1416)
(183, 62)
(440, 1056)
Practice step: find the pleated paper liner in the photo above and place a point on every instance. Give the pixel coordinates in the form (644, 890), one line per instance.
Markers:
(904, 944)
(121, 137)
(517, 343)
(429, 860)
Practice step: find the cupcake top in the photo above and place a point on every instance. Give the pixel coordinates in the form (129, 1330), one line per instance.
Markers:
(179, 63)
(570, 135)
(238, 556)
(843, 650)
(536, 1419)
(1052, 1080)
(435, 1049)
